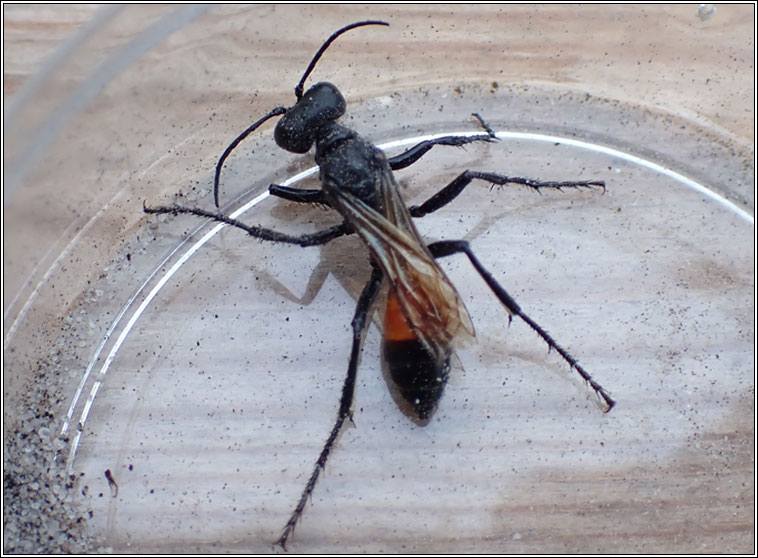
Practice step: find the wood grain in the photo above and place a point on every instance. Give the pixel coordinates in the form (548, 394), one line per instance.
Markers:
(518, 460)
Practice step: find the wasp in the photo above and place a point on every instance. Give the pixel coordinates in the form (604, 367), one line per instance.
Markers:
(424, 313)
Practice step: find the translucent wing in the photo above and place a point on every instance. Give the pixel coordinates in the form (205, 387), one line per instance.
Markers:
(429, 301)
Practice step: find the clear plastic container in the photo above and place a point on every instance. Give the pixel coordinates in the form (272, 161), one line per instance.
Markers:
(205, 377)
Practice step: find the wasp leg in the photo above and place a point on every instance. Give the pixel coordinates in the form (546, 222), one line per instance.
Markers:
(312, 239)
(346, 401)
(448, 193)
(451, 191)
(410, 156)
(299, 195)
(450, 247)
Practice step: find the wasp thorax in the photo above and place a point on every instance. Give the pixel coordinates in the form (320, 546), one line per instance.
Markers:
(297, 129)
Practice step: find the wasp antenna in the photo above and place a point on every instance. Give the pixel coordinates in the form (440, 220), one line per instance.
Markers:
(278, 111)
(329, 41)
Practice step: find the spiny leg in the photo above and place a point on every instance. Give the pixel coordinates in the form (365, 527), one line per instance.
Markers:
(346, 401)
(450, 247)
(410, 156)
(447, 194)
(312, 239)
(452, 190)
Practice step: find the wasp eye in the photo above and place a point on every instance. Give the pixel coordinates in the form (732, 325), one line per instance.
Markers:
(297, 129)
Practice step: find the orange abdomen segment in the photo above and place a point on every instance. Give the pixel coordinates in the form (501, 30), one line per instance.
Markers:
(396, 328)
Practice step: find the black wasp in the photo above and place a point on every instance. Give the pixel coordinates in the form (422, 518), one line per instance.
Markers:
(424, 312)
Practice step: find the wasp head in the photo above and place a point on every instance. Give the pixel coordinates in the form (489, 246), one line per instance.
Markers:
(298, 128)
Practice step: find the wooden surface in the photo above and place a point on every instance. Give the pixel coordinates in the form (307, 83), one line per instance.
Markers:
(217, 403)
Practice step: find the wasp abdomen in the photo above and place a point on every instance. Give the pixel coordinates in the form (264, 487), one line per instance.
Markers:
(417, 378)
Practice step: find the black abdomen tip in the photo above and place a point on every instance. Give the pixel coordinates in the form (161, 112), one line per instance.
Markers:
(417, 378)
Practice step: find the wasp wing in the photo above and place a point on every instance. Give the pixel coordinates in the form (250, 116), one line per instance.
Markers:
(429, 301)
